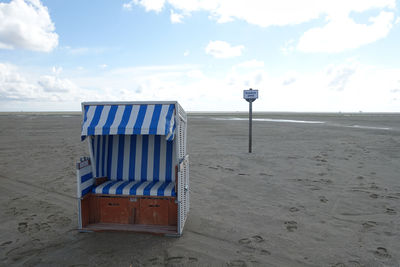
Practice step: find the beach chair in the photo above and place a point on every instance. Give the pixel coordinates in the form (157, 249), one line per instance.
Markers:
(137, 175)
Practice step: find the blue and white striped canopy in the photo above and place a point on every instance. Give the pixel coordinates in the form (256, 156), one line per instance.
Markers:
(128, 119)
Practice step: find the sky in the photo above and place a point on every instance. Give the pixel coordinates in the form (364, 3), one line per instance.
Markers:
(302, 56)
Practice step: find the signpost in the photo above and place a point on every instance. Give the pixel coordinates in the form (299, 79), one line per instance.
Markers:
(250, 96)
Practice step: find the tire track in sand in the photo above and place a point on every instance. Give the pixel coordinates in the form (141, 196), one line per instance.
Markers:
(37, 192)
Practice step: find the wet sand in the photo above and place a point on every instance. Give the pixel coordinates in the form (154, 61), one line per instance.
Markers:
(318, 190)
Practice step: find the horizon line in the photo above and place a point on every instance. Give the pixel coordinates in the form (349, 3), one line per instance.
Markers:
(222, 112)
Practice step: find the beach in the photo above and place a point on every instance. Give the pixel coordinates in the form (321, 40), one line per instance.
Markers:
(319, 189)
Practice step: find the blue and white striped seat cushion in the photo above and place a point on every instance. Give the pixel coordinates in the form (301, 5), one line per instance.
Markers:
(137, 188)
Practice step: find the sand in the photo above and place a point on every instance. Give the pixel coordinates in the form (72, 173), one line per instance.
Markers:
(318, 190)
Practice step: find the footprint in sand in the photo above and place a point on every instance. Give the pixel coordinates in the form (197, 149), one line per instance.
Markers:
(251, 246)
(369, 224)
(323, 181)
(175, 260)
(253, 239)
(349, 264)
(382, 253)
(315, 188)
(22, 226)
(323, 199)
(265, 252)
(390, 211)
(339, 264)
(257, 239)
(326, 181)
(44, 226)
(6, 243)
(244, 241)
(179, 260)
(247, 250)
(374, 186)
(237, 263)
(156, 261)
(34, 228)
(291, 226)
(375, 196)
(293, 209)
(192, 260)
(320, 159)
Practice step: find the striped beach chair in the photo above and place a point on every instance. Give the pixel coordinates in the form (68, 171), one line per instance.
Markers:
(137, 175)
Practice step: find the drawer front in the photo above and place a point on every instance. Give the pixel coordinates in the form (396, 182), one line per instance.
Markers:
(153, 211)
(116, 210)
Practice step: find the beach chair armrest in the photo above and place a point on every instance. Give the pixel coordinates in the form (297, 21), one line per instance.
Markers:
(85, 179)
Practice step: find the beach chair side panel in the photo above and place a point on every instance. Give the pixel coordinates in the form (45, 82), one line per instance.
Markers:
(85, 177)
(85, 182)
(183, 175)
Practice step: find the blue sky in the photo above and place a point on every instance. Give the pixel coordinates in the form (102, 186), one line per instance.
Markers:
(301, 55)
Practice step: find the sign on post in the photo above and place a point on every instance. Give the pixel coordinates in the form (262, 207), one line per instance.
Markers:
(250, 96)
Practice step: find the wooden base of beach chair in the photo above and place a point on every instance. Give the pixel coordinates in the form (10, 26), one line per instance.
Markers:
(129, 213)
(141, 228)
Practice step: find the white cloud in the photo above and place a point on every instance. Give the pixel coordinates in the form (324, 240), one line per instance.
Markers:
(176, 17)
(149, 5)
(186, 53)
(341, 34)
(56, 70)
(26, 25)
(288, 47)
(329, 38)
(103, 66)
(128, 5)
(289, 81)
(266, 13)
(17, 86)
(339, 76)
(54, 84)
(13, 86)
(6, 46)
(195, 74)
(221, 49)
(350, 86)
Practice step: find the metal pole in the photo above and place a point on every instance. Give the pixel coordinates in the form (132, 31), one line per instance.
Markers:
(250, 123)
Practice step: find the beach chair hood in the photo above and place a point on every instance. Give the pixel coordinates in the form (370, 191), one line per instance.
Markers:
(128, 119)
